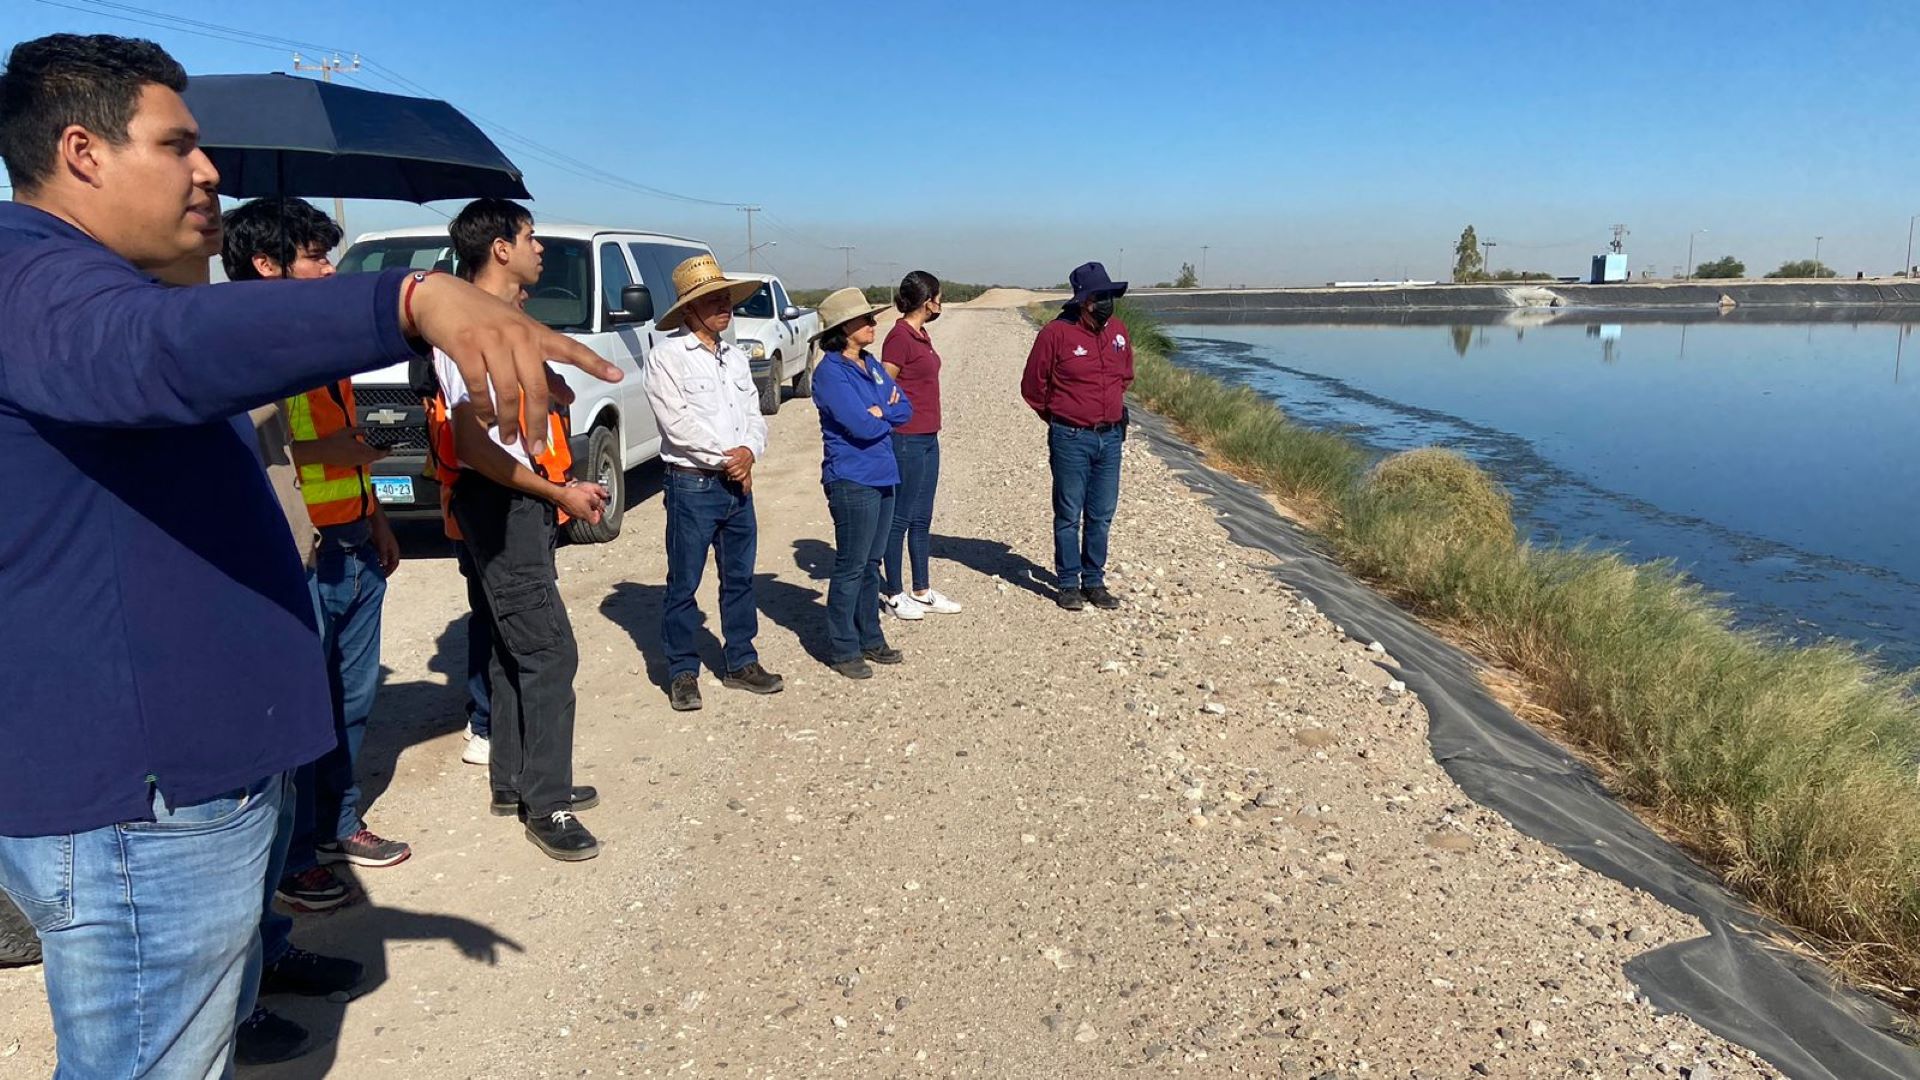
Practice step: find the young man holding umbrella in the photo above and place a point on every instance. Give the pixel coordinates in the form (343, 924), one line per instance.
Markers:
(162, 665)
(1076, 380)
(288, 239)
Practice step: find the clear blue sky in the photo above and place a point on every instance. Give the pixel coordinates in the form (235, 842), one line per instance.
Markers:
(1302, 142)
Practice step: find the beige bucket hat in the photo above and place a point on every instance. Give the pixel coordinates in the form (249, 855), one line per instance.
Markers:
(842, 307)
(697, 277)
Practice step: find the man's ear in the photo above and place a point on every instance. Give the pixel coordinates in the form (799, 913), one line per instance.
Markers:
(266, 267)
(502, 250)
(80, 153)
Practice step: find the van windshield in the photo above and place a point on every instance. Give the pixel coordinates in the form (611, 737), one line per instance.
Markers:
(562, 298)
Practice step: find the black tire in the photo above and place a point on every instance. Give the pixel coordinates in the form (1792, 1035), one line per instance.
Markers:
(19, 945)
(770, 389)
(803, 382)
(602, 466)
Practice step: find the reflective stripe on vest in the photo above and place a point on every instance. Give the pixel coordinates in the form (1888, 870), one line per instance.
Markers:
(554, 464)
(335, 495)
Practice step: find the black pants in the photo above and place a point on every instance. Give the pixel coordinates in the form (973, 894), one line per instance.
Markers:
(511, 538)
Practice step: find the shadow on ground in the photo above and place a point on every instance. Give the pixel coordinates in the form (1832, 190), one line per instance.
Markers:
(363, 931)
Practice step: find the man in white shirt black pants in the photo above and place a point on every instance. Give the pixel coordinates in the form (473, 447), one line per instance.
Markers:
(711, 436)
(505, 506)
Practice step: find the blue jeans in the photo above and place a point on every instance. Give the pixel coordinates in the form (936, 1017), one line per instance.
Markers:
(479, 646)
(709, 512)
(350, 592)
(1086, 491)
(150, 931)
(919, 458)
(275, 927)
(861, 517)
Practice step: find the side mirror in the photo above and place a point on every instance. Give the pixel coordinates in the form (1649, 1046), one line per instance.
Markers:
(636, 305)
(790, 313)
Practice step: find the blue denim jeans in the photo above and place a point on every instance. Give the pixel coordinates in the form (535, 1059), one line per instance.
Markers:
(479, 646)
(1086, 491)
(150, 932)
(350, 592)
(919, 458)
(861, 517)
(709, 513)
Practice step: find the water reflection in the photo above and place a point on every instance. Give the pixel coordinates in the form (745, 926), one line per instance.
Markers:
(1772, 461)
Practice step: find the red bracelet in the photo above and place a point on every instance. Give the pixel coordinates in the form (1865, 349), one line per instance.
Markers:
(406, 299)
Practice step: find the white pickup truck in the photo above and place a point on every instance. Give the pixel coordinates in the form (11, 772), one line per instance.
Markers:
(778, 338)
(599, 286)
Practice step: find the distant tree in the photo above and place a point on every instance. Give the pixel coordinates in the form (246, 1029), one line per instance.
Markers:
(1188, 278)
(1517, 275)
(1726, 266)
(1801, 268)
(1468, 263)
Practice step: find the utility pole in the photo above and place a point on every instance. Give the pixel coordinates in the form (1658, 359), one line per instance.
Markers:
(749, 211)
(1203, 264)
(326, 67)
(1816, 255)
(1690, 236)
(1619, 244)
(1486, 265)
(1123, 255)
(848, 248)
(1906, 268)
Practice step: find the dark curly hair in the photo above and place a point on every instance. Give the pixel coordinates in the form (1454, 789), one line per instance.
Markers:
(478, 225)
(280, 229)
(55, 82)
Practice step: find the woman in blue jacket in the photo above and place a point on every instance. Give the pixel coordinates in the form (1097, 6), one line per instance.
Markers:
(859, 408)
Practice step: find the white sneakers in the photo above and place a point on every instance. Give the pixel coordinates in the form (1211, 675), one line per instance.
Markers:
(478, 751)
(934, 602)
(904, 607)
(910, 606)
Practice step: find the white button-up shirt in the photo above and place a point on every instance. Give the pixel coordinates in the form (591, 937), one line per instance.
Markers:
(704, 403)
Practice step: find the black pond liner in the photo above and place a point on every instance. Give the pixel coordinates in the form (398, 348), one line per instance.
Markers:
(1788, 1009)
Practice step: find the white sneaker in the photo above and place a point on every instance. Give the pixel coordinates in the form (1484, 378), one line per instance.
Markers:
(478, 751)
(904, 606)
(934, 602)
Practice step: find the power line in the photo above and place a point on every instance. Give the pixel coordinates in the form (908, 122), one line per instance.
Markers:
(233, 35)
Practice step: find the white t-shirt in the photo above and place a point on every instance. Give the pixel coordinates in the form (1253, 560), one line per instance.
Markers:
(455, 389)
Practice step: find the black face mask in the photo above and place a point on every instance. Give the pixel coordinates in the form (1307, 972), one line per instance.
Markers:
(1101, 310)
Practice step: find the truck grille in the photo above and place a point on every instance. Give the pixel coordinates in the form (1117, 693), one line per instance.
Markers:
(393, 418)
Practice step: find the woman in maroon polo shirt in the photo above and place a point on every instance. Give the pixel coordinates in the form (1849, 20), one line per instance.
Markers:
(915, 366)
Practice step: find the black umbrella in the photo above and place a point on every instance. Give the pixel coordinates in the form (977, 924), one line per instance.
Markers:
(277, 135)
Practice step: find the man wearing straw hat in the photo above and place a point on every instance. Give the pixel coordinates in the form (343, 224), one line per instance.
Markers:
(711, 435)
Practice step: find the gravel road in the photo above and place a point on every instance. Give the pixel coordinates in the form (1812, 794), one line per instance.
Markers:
(1202, 835)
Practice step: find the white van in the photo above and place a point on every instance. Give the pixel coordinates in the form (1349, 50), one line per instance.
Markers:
(599, 286)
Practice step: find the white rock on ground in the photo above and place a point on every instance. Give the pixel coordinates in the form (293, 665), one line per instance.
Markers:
(1346, 910)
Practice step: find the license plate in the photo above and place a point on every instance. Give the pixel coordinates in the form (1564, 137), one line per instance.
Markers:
(393, 489)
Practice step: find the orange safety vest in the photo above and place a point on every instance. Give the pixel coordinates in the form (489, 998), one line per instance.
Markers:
(335, 494)
(553, 464)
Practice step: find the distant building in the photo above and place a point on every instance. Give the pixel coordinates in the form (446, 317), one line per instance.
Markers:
(1609, 268)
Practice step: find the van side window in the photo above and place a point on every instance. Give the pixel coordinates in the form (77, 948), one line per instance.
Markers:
(614, 276)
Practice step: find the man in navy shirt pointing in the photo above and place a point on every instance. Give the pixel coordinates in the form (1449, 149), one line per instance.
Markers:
(157, 643)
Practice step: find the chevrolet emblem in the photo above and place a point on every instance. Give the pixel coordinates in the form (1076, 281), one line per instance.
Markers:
(386, 416)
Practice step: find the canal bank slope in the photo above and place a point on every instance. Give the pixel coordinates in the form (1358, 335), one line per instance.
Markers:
(1388, 300)
(1203, 833)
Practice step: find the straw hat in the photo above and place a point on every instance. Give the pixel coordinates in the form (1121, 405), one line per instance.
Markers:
(697, 277)
(844, 306)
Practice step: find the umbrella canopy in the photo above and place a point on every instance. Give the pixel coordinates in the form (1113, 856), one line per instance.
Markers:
(277, 135)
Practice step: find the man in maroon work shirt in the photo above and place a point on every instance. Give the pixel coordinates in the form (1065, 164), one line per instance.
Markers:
(1076, 379)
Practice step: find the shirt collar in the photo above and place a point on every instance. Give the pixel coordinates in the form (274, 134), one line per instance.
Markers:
(693, 343)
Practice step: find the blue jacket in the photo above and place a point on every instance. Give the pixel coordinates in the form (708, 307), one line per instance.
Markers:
(155, 623)
(858, 444)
